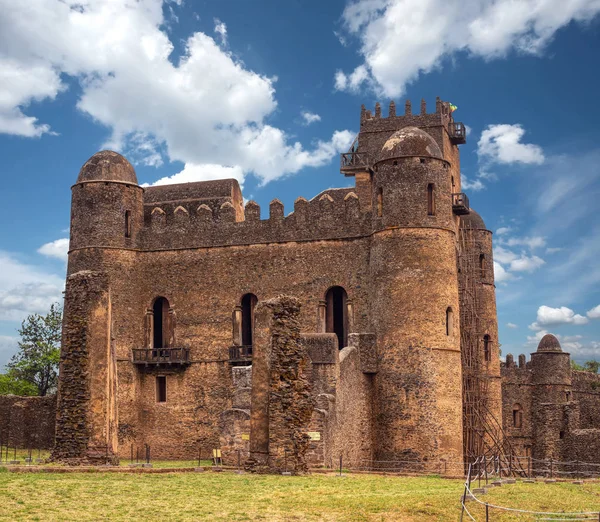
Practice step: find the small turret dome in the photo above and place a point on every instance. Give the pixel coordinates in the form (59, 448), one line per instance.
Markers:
(107, 166)
(549, 343)
(409, 141)
(472, 220)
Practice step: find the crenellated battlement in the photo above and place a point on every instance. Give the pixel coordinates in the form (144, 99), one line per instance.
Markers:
(442, 111)
(332, 214)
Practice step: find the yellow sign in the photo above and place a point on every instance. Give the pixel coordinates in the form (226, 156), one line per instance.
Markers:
(314, 435)
(245, 436)
(216, 453)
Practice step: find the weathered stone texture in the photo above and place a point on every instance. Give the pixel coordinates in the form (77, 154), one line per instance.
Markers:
(27, 422)
(393, 393)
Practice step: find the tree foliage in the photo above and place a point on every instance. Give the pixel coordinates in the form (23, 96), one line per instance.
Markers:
(36, 362)
(12, 385)
(588, 366)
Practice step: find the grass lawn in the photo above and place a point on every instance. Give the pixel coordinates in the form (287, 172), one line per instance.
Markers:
(227, 496)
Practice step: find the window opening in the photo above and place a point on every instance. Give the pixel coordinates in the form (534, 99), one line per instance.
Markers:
(160, 336)
(337, 314)
(487, 353)
(161, 388)
(449, 321)
(127, 223)
(430, 200)
(248, 304)
(517, 416)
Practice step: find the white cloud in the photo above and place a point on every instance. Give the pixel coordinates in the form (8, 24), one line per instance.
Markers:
(204, 107)
(553, 250)
(26, 289)
(8, 347)
(512, 325)
(467, 184)
(525, 263)
(310, 117)
(402, 39)
(548, 316)
(531, 242)
(191, 173)
(503, 230)
(58, 249)
(503, 255)
(221, 30)
(500, 274)
(594, 313)
(501, 143)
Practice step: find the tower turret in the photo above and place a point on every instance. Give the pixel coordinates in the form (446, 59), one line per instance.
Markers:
(107, 205)
(479, 338)
(414, 291)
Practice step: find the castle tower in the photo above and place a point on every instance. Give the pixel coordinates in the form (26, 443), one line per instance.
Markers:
(479, 339)
(410, 161)
(106, 217)
(551, 379)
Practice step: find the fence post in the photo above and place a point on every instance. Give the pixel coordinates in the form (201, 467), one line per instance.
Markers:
(487, 513)
(551, 470)
(340, 465)
(529, 466)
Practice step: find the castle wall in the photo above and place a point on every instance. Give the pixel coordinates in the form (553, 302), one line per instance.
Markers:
(27, 422)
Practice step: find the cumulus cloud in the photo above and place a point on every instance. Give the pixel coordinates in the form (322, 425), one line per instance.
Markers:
(474, 185)
(204, 107)
(501, 143)
(58, 248)
(530, 242)
(26, 288)
(402, 39)
(594, 313)
(500, 274)
(525, 263)
(309, 117)
(512, 325)
(221, 30)
(548, 316)
(503, 230)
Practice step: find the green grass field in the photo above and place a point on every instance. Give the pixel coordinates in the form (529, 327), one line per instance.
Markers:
(228, 496)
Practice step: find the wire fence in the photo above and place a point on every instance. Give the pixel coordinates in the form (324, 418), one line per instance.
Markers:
(478, 472)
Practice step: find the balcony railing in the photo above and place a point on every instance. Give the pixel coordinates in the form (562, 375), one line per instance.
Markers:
(460, 203)
(353, 161)
(240, 355)
(458, 132)
(156, 356)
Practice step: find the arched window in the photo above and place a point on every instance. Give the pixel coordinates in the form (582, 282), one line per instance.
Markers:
(487, 348)
(482, 265)
(453, 185)
(380, 202)
(431, 200)
(449, 321)
(337, 314)
(160, 335)
(517, 416)
(127, 223)
(248, 303)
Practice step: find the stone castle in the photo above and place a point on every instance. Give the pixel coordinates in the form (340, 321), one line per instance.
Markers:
(362, 324)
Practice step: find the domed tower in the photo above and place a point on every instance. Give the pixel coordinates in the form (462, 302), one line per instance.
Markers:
(551, 379)
(479, 339)
(414, 300)
(106, 208)
(106, 217)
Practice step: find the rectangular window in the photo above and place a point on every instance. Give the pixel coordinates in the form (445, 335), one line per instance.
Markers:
(161, 388)
(127, 223)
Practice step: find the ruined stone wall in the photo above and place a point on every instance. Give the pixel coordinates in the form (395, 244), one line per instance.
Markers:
(86, 424)
(27, 422)
(586, 390)
(517, 390)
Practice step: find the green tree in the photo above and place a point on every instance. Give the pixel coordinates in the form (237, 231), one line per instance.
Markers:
(11, 385)
(575, 366)
(591, 366)
(36, 362)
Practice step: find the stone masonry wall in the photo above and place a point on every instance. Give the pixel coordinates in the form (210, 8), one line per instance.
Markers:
(27, 422)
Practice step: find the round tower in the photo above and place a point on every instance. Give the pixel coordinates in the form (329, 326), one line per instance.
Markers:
(414, 302)
(479, 337)
(106, 209)
(551, 379)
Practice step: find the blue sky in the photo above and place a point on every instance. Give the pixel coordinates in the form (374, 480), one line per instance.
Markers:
(269, 92)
